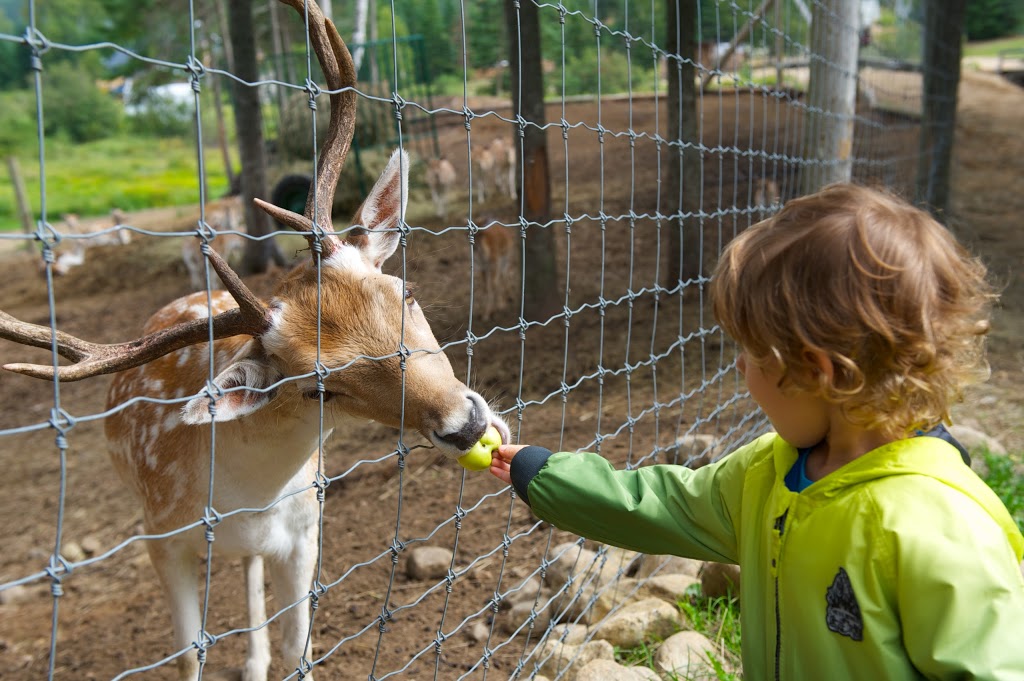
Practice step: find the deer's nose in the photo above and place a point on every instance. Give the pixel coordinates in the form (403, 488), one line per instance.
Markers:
(473, 426)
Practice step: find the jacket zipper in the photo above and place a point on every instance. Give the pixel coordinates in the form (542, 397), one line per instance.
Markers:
(780, 525)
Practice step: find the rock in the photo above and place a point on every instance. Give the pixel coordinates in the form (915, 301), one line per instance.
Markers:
(696, 450)
(520, 613)
(565, 659)
(975, 440)
(478, 633)
(92, 545)
(609, 670)
(525, 592)
(72, 552)
(573, 634)
(669, 588)
(668, 565)
(719, 580)
(686, 655)
(637, 621)
(19, 594)
(428, 562)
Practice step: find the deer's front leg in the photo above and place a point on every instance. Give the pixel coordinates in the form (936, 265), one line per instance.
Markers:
(257, 664)
(291, 577)
(178, 570)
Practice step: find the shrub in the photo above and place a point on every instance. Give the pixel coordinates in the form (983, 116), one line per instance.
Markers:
(17, 121)
(74, 107)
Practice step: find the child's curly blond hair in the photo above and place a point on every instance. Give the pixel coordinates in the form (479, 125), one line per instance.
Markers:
(876, 285)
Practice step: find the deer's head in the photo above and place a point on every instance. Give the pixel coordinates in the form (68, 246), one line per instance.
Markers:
(351, 334)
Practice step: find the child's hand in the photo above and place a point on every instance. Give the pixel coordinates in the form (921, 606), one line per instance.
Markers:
(502, 461)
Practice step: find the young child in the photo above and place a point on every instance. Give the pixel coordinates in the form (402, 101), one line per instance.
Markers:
(869, 549)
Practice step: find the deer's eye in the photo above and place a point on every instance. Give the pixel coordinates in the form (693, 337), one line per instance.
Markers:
(410, 293)
(314, 394)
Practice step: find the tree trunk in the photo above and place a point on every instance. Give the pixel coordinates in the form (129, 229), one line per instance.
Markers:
(941, 63)
(831, 94)
(539, 267)
(359, 34)
(249, 120)
(683, 179)
(24, 211)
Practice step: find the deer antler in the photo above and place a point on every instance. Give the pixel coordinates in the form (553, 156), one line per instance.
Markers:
(339, 71)
(92, 359)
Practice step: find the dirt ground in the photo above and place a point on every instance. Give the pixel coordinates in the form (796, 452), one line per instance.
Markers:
(112, 616)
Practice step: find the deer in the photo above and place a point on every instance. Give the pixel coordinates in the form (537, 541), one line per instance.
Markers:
(279, 377)
(767, 197)
(504, 155)
(88, 233)
(226, 218)
(497, 244)
(440, 179)
(482, 161)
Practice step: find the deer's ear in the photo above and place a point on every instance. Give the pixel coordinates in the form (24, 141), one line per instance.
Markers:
(383, 210)
(247, 387)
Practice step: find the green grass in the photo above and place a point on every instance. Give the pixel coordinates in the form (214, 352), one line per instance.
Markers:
(992, 48)
(716, 618)
(127, 172)
(1007, 483)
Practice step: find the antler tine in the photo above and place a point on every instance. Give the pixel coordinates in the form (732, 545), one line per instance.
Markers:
(339, 72)
(94, 359)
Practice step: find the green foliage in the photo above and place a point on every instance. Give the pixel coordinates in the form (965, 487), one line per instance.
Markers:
(17, 121)
(616, 75)
(1007, 483)
(987, 19)
(716, 618)
(129, 172)
(74, 107)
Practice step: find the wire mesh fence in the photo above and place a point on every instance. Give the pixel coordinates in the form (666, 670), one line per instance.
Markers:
(629, 362)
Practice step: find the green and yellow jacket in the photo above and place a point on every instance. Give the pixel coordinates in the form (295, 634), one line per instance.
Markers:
(900, 565)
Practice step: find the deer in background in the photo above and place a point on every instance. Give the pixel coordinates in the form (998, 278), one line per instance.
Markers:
(94, 232)
(496, 247)
(767, 197)
(504, 173)
(440, 179)
(482, 161)
(268, 396)
(226, 217)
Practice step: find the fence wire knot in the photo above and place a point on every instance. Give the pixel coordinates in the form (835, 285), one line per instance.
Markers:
(468, 114)
(439, 642)
(399, 103)
(61, 421)
(211, 519)
(57, 570)
(39, 43)
(49, 236)
(196, 71)
(321, 482)
(313, 91)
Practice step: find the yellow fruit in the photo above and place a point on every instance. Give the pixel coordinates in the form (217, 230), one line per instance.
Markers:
(478, 458)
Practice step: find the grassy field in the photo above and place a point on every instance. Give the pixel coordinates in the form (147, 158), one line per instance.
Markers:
(126, 172)
(992, 48)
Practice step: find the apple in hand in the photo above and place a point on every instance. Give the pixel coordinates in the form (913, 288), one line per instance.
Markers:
(478, 458)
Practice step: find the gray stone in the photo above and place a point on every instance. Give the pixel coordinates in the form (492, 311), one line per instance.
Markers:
(428, 562)
(629, 626)
(718, 580)
(686, 655)
(566, 659)
(668, 565)
(608, 670)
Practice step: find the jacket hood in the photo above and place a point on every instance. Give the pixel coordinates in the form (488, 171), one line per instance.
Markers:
(923, 455)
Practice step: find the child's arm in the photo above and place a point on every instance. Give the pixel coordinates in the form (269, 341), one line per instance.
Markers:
(661, 509)
(960, 594)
